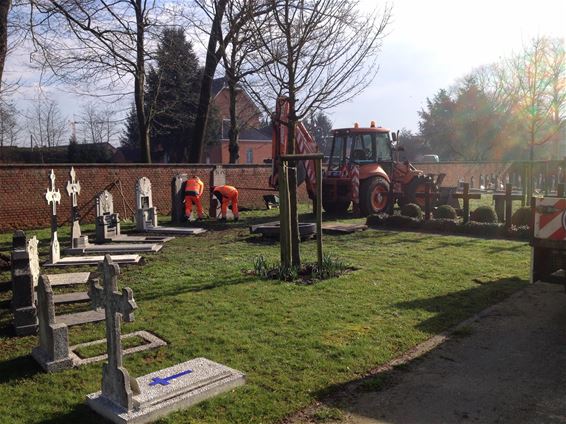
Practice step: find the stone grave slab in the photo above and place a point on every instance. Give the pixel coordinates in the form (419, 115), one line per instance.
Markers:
(61, 299)
(337, 228)
(94, 260)
(69, 279)
(108, 225)
(146, 213)
(115, 248)
(124, 399)
(79, 318)
(171, 389)
(151, 342)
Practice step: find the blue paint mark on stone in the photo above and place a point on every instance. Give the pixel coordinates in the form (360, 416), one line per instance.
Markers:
(165, 381)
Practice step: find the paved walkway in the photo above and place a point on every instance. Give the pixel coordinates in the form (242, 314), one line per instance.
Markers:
(509, 367)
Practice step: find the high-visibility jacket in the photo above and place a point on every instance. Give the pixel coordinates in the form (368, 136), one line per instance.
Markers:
(226, 191)
(194, 187)
(228, 194)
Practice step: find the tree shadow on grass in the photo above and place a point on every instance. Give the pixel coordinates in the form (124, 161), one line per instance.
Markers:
(81, 413)
(454, 307)
(18, 368)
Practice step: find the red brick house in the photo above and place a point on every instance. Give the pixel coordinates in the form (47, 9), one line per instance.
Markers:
(255, 141)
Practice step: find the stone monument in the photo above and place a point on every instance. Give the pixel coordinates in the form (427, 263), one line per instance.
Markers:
(53, 350)
(146, 213)
(219, 179)
(25, 274)
(177, 198)
(53, 197)
(124, 399)
(73, 190)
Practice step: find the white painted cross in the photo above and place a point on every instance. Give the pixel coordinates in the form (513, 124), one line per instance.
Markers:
(73, 190)
(53, 197)
(116, 383)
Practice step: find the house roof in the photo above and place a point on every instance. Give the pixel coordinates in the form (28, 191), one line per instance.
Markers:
(250, 134)
(217, 85)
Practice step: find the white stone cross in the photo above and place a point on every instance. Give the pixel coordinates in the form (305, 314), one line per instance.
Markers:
(53, 197)
(73, 190)
(116, 383)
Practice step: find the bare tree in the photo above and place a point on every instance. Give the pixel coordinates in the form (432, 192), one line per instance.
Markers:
(98, 42)
(46, 123)
(321, 53)
(557, 75)
(5, 6)
(97, 124)
(9, 125)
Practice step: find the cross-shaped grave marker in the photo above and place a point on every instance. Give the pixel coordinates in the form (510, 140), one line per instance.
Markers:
(116, 382)
(504, 204)
(53, 197)
(73, 190)
(466, 196)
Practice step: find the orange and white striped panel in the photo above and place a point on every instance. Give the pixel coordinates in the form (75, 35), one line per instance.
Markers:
(550, 218)
(355, 175)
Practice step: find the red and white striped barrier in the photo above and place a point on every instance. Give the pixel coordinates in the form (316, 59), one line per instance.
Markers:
(550, 219)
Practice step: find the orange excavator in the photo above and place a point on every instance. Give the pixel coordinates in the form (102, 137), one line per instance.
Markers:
(363, 167)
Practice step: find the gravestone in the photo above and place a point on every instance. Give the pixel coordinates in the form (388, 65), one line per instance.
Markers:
(25, 274)
(219, 179)
(73, 190)
(53, 350)
(146, 213)
(53, 197)
(177, 198)
(124, 399)
(107, 221)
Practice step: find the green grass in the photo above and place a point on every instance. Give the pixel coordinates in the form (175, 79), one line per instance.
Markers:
(294, 342)
(100, 348)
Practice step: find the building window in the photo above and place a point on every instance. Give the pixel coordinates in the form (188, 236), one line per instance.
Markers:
(249, 156)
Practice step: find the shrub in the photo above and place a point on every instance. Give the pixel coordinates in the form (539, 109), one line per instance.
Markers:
(376, 220)
(445, 212)
(441, 225)
(484, 214)
(521, 217)
(485, 229)
(400, 221)
(412, 210)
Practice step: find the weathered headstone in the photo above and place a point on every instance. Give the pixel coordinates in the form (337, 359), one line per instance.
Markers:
(53, 197)
(107, 222)
(219, 179)
(73, 190)
(25, 274)
(124, 399)
(116, 383)
(53, 350)
(146, 213)
(177, 198)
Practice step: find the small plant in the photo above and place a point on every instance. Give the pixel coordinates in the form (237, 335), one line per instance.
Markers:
(331, 267)
(485, 214)
(412, 210)
(261, 269)
(445, 212)
(308, 273)
(522, 217)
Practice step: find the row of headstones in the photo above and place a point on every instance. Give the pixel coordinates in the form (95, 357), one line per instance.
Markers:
(122, 398)
(497, 183)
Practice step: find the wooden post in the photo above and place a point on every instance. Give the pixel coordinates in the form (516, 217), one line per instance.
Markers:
(525, 184)
(284, 217)
(427, 200)
(560, 190)
(508, 205)
(318, 165)
(466, 201)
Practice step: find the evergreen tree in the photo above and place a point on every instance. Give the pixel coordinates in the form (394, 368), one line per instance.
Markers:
(319, 126)
(130, 135)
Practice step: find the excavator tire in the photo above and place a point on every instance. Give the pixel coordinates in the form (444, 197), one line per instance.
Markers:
(335, 208)
(374, 194)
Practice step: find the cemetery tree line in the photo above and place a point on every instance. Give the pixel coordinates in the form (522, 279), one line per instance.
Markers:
(512, 109)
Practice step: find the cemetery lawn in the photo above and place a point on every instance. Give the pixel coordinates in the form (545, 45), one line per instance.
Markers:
(296, 343)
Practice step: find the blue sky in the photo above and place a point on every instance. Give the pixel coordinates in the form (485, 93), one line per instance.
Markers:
(429, 46)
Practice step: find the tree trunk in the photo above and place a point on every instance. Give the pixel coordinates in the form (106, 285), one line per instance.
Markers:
(294, 213)
(196, 148)
(234, 132)
(139, 81)
(4, 9)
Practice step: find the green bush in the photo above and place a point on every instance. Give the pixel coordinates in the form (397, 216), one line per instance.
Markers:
(484, 214)
(400, 221)
(376, 220)
(412, 210)
(521, 217)
(484, 229)
(441, 225)
(445, 212)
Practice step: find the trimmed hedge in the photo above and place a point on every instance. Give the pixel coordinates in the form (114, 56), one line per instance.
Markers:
(522, 217)
(412, 210)
(484, 214)
(445, 212)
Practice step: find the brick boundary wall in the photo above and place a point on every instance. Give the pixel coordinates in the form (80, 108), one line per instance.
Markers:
(22, 189)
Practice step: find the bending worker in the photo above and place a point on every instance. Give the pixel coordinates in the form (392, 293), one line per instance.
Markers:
(226, 194)
(193, 192)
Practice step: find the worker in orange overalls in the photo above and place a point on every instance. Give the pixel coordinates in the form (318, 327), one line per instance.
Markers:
(193, 192)
(227, 194)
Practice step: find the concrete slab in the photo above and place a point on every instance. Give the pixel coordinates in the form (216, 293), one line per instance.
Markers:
(338, 228)
(94, 260)
(114, 248)
(69, 278)
(65, 298)
(152, 342)
(178, 231)
(124, 238)
(79, 318)
(171, 389)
